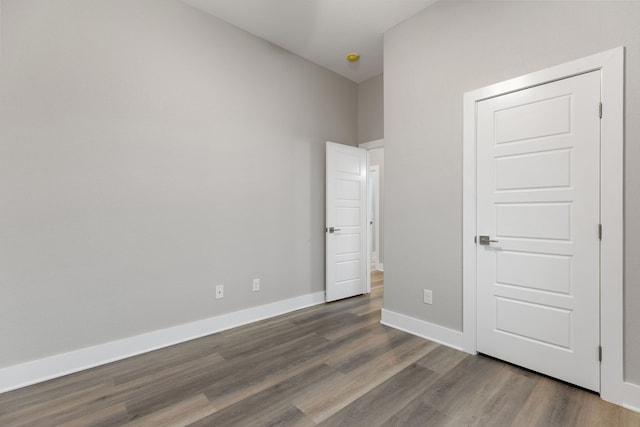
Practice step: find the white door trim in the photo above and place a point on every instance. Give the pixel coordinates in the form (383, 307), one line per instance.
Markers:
(372, 145)
(611, 65)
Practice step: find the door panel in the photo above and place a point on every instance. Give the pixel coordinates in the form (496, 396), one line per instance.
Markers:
(348, 190)
(536, 322)
(349, 216)
(535, 119)
(520, 172)
(346, 240)
(538, 196)
(534, 221)
(551, 273)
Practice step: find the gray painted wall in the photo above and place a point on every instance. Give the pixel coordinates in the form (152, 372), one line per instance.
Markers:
(147, 153)
(370, 110)
(430, 61)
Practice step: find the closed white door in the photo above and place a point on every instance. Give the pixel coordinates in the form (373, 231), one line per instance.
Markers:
(346, 219)
(538, 201)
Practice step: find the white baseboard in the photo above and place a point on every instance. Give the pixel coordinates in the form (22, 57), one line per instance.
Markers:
(431, 331)
(631, 397)
(22, 375)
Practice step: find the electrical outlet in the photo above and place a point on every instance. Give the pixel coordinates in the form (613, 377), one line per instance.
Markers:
(256, 285)
(428, 296)
(219, 291)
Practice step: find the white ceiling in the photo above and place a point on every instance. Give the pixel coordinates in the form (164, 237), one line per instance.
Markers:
(322, 31)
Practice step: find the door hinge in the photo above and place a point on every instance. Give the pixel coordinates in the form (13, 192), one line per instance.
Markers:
(475, 239)
(600, 353)
(600, 110)
(600, 231)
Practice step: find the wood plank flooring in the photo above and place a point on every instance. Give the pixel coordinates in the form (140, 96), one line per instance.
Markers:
(329, 365)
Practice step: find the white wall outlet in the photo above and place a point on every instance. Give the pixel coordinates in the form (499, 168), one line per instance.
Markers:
(256, 285)
(428, 296)
(219, 291)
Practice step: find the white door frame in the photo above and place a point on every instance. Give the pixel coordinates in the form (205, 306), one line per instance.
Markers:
(611, 65)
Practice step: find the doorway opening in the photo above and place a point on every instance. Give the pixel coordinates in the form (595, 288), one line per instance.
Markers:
(375, 213)
(354, 219)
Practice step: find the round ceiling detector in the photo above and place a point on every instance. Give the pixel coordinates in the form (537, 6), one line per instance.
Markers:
(353, 57)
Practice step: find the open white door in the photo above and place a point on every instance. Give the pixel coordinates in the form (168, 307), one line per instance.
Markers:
(346, 222)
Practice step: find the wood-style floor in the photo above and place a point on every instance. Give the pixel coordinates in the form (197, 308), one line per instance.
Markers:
(328, 365)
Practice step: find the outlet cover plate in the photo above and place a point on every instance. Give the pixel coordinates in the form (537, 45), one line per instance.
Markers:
(428, 296)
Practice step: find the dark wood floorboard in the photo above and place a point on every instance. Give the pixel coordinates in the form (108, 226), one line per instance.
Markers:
(328, 365)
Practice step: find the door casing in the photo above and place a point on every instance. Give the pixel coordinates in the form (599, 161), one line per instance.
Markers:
(611, 65)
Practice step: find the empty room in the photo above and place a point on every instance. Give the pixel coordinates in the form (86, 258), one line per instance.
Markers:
(319, 212)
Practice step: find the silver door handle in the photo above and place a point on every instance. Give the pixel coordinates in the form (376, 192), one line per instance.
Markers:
(486, 240)
(331, 229)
